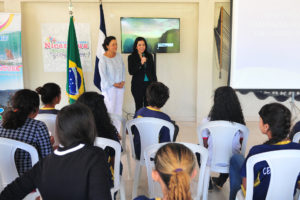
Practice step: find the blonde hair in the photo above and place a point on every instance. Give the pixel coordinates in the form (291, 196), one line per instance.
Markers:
(175, 163)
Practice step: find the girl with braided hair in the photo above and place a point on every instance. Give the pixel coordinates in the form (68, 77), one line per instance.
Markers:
(275, 122)
(174, 168)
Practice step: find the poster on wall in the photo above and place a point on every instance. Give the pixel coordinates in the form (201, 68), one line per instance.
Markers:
(11, 67)
(54, 44)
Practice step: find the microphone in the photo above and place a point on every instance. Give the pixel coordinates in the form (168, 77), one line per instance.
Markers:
(145, 64)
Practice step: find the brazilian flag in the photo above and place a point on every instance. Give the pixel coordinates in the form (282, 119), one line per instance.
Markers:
(75, 82)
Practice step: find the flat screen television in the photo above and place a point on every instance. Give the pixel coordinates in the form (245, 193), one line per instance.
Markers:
(162, 34)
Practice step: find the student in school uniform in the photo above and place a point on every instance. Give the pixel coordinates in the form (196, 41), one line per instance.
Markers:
(157, 95)
(50, 96)
(275, 122)
(19, 124)
(77, 170)
(174, 169)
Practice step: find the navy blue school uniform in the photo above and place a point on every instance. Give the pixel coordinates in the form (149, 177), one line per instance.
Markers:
(164, 135)
(145, 198)
(48, 111)
(262, 170)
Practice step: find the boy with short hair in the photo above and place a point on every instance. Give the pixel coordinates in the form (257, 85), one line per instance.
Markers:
(157, 95)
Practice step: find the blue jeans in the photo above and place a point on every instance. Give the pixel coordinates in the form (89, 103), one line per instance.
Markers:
(235, 166)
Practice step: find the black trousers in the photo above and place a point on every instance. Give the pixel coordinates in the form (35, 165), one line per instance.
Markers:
(139, 94)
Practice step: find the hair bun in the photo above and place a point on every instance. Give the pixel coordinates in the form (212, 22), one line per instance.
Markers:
(40, 90)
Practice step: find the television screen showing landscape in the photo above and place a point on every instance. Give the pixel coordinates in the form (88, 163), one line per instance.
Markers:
(162, 34)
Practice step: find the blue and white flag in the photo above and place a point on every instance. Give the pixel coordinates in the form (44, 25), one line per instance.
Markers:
(100, 50)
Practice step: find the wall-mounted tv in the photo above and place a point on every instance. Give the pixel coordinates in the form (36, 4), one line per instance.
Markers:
(162, 34)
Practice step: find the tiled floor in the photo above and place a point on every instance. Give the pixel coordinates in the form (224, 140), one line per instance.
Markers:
(188, 133)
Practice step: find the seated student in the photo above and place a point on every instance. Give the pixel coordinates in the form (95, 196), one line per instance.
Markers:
(157, 95)
(174, 169)
(51, 96)
(19, 124)
(104, 125)
(76, 170)
(226, 107)
(275, 122)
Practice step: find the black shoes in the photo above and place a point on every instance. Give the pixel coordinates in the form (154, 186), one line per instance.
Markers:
(216, 182)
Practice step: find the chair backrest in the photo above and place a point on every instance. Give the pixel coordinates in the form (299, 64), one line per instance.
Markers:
(148, 128)
(116, 117)
(49, 120)
(8, 168)
(284, 166)
(222, 134)
(296, 137)
(149, 155)
(103, 143)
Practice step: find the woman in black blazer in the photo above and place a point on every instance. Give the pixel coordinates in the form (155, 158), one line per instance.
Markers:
(141, 67)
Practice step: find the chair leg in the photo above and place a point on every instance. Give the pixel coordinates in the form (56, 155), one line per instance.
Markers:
(136, 179)
(206, 183)
(122, 191)
(128, 165)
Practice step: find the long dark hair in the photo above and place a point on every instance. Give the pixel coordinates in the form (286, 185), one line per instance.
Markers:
(135, 45)
(48, 92)
(278, 117)
(24, 102)
(75, 124)
(226, 106)
(104, 125)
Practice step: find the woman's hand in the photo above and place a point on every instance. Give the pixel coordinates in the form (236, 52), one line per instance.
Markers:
(143, 60)
(119, 85)
(122, 84)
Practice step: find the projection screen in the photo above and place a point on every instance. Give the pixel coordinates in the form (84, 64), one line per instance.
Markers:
(265, 48)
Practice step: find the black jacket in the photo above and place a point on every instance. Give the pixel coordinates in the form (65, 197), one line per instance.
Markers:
(138, 71)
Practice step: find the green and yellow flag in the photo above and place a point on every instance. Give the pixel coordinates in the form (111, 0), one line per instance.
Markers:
(75, 82)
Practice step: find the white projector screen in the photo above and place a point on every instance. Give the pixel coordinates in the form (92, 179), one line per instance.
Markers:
(265, 49)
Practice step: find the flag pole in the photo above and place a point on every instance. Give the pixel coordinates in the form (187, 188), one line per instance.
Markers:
(70, 8)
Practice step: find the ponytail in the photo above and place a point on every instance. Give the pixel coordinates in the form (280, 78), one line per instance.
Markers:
(24, 102)
(175, 163)
(48, 92)
(278, 117)
(13, 119)
(179, 186)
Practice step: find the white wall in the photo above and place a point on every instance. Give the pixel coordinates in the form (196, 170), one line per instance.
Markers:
(1, 6)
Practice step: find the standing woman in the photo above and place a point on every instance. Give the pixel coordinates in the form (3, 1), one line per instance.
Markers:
(112, 73)
(141, 67)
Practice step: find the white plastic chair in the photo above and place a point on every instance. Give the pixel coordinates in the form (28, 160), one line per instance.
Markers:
(296, 137)
(285, 168)
(149, 154)
(118, 183)
(8, 169)
(148, 128)
(116, 117)
(49, 120)
(222, 134)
